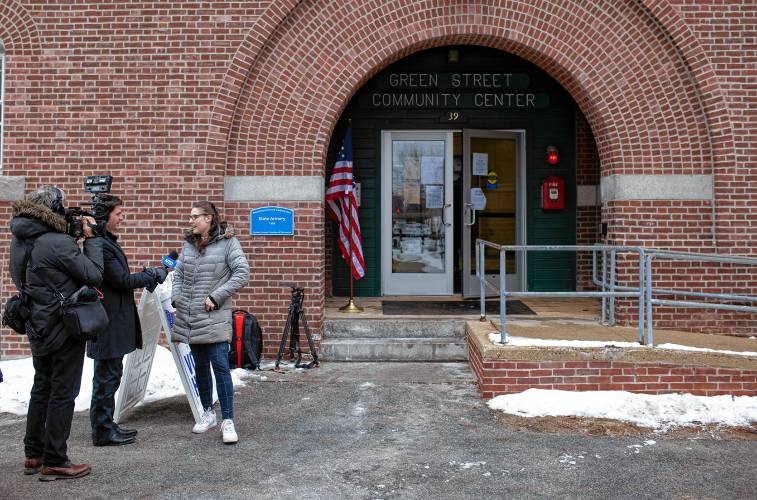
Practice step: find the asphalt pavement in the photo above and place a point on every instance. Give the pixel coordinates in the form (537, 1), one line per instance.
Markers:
(375, 430)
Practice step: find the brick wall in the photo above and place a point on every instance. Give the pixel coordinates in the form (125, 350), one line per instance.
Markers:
(587, 217)
(504, 376)
(119, 88)
(170, 97)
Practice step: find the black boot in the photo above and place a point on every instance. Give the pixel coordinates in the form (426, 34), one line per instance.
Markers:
(115, 439)
(126, 432)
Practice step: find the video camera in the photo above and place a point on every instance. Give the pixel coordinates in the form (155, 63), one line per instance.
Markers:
(94, 185)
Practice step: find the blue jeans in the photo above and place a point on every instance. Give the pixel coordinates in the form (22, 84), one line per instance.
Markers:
(218, 356)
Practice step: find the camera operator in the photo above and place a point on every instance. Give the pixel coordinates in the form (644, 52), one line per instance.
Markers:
(124, 332)
(44, 256)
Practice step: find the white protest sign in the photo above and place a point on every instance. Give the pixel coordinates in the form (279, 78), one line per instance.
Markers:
(182, 356)
(137, 364)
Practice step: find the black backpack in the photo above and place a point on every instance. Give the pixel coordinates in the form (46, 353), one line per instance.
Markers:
(246, 341)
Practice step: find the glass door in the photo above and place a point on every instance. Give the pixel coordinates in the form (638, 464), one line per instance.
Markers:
(417, 213)
(493, 205)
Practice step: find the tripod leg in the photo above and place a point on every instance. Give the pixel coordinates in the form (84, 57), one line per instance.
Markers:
(294, 338)
(311, 346)
(287, 327)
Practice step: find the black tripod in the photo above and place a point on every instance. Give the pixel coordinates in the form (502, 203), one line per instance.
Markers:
(292, 329)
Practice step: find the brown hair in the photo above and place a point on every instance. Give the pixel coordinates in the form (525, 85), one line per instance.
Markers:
(104, 204)
(209, 209)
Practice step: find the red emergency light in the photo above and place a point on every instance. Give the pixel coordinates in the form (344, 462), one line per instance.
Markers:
(552, 156)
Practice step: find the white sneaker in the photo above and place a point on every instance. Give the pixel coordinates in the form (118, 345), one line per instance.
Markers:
(207, 420)
(229, 434)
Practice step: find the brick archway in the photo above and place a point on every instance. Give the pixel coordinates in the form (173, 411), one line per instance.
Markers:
(18, 31)
(653, 103)
(622, 84)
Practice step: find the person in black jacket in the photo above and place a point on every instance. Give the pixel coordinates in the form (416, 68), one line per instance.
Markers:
(45, 261)
(123, 334)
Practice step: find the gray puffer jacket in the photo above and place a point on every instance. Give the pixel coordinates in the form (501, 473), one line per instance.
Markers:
(218, 273)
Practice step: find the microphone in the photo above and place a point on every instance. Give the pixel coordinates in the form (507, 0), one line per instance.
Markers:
(169, 261)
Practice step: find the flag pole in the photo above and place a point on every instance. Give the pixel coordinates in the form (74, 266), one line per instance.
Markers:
(350, 307)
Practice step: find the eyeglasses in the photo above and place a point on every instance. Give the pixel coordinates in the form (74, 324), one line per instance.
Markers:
(193, 217)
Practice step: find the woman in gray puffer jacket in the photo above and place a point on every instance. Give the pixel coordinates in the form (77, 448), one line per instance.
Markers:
(211, 267)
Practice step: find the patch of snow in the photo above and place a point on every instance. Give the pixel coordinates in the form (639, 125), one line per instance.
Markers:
(468, 465)
(656, 411)
(704, 349)
(529, 342)
(164, 382)
(358, 410)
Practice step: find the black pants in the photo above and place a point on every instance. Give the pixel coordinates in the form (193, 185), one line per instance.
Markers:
(57, 379)
(105, 383)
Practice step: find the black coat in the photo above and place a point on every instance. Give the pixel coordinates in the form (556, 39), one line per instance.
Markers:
(55, 261)
(124, 333)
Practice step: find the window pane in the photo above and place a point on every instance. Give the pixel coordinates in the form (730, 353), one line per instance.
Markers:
(417, 207)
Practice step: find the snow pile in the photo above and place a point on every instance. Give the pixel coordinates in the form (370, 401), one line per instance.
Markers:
(657, 411)
(704, 349)
(164, 382)
(529, 342)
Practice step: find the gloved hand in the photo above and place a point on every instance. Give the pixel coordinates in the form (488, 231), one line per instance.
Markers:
(152, 275)
(157, 274)
(160, 274)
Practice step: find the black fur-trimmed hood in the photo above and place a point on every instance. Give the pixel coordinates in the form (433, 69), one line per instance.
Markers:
(32, 219)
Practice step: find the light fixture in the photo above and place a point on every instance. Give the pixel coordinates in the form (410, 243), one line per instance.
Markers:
(552, 156)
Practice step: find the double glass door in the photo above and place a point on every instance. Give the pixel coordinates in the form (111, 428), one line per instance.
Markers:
(419, 224)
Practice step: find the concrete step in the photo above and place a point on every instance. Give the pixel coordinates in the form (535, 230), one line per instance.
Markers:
(394, 349)
(393, 328)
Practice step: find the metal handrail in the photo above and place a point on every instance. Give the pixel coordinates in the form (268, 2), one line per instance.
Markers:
(693, 257)
(605, 293)
(610, 290)
(659, 291)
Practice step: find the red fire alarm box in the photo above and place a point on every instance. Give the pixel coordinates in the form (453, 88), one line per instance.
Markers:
(553, 193)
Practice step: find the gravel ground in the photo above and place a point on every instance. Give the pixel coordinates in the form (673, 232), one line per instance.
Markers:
(380, 430)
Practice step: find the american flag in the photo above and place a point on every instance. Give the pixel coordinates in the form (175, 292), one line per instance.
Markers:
(342, 207)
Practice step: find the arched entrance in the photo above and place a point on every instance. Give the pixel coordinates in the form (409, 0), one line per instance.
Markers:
(293, 77)
(452, 144)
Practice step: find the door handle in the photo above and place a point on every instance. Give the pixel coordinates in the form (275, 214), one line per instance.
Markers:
(444, 215)
(469, 208)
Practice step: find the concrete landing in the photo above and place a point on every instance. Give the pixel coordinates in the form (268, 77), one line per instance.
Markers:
(566, 329)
